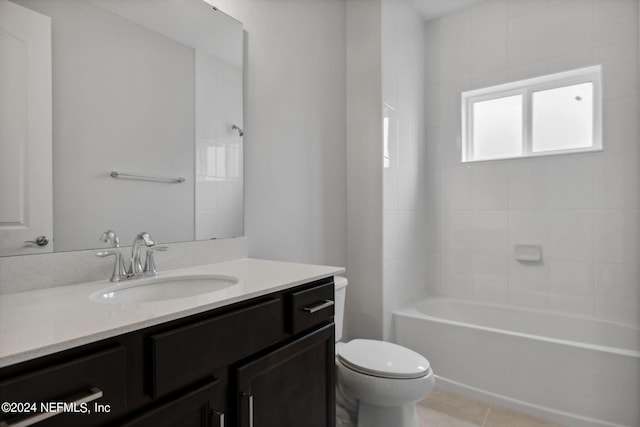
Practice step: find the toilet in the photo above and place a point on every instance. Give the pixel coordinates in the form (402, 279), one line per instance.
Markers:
(378, 383)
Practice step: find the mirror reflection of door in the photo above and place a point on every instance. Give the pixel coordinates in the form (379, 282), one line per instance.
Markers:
(25, 131)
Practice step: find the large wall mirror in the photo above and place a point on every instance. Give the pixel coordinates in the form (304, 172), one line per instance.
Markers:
(146, 122)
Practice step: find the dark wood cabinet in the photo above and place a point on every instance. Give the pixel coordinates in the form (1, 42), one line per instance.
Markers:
(201, 407)
(291, 386)
(270, 358)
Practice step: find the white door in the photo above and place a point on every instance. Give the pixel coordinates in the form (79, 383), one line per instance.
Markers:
(25, 131)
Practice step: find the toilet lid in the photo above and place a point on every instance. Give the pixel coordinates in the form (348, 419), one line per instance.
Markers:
(382, 359)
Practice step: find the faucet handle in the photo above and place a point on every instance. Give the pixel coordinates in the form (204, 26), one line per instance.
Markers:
(150, 263)
(119, 271)
(110, 236)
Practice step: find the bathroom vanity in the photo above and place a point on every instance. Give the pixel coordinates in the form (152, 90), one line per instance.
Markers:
(260, 353)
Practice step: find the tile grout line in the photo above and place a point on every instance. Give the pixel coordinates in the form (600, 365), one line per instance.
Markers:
(486, 416)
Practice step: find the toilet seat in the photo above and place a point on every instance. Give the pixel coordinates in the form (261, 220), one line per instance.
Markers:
(383, 359)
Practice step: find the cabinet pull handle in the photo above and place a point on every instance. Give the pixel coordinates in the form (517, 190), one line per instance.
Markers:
(95, 394)
(322, 305)
(249, 396)
(220, 418)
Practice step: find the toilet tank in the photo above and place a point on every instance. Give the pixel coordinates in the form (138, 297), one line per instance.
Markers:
(340, 294)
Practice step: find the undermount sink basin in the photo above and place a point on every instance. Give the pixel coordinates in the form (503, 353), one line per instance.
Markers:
(163, 288)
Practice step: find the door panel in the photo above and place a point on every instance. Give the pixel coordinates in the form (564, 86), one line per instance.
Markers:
(25, 130)
(292, 386)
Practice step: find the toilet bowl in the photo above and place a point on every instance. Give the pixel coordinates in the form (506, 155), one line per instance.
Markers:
(379, 382)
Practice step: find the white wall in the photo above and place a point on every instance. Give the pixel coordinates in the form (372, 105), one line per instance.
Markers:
(294, 145)
(406, 183)
(583, 209)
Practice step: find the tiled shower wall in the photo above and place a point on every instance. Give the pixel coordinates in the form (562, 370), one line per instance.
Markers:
(405, 169)
(582, 208)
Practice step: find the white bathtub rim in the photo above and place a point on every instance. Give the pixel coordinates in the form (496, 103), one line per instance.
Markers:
(536, 310)
(414, 312)
(562, 417)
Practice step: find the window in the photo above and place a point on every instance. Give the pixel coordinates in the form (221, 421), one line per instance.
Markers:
(553, 114)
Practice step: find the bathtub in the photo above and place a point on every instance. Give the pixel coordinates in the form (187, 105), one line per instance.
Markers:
(575, 371)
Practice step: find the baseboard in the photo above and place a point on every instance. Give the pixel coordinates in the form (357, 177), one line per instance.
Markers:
(565, 418)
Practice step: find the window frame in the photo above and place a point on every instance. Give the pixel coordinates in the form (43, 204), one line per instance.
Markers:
(527, 88)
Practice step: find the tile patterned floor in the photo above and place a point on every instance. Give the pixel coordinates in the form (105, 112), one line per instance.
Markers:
(446, 409)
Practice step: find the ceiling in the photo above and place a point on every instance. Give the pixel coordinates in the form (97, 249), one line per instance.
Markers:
(431, 9)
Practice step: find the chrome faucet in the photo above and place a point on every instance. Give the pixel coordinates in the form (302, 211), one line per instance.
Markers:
(135, 268)
(119, 270)
(110, 236)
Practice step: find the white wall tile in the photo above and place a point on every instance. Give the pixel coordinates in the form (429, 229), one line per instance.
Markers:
(391, 198)
(432, 260)
(568, 27)
(456, 188)
(571, 60)
(528, 184)
(620, 124)
(410, 179)
(391, 286)
(456, 25)
(617, 181)
(489, 12)
(528, 284)
(432, 57)
(488, 78)
(571, 235)
(570, 181)
(411, 195)
(432, 230)
(516, 9)
(432, 189)
(455, 57)
(411, 279)
(491, 279)
(390, 235)
(489, 47)
(490, 186)
(387, 328)
(614, 21)
(617, 236)
(617, 293)
(457, 275)
(619, 68)
(457, 231)
(412, 233)
(582, 209)
(527, 39)
(390, 52)
(490, 233)
(432, 142)
(571, 287)
(528, 227)
(527, 70)
(432, 105)
(450, 146)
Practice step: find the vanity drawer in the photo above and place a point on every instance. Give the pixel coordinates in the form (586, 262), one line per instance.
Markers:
(96, 379)
(189, 353)
(310, 307)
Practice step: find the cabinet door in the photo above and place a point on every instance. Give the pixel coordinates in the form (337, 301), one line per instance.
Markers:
(292, 386)
(197, 408)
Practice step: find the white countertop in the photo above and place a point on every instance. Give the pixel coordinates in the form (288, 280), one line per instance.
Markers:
(45, 321)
